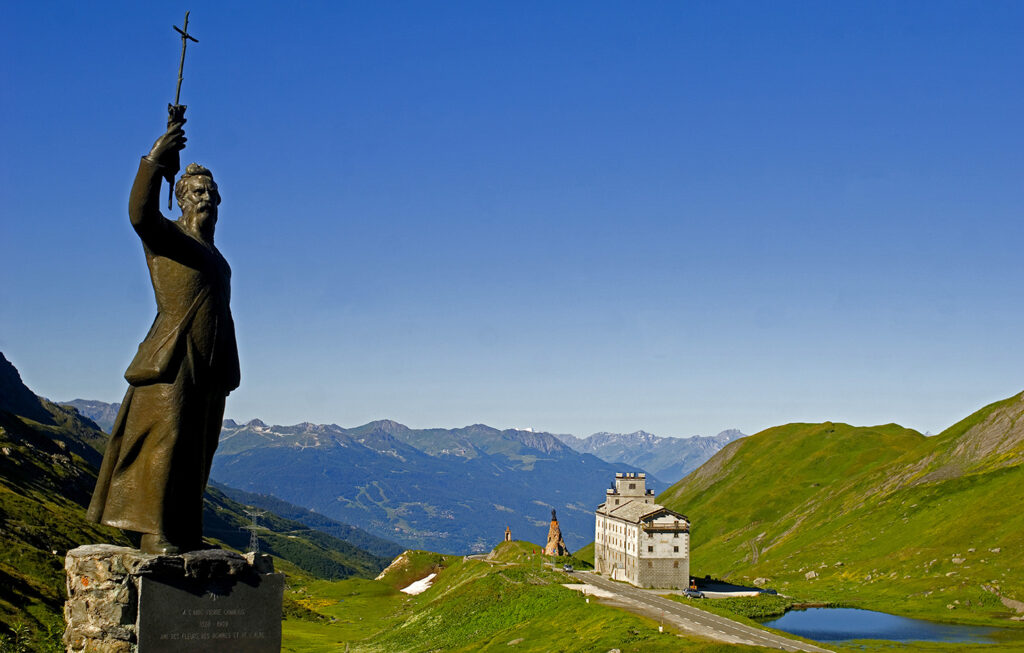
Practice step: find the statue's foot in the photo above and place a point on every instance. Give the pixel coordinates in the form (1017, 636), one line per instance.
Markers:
(158, 544)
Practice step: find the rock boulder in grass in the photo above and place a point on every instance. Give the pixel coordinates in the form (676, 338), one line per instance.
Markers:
(556, 545)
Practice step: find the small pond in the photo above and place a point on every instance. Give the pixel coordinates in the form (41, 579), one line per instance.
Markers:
(842, 624)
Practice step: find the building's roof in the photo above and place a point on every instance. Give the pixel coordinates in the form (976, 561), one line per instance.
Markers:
(631, 511)
(665, 511)
(634, 511)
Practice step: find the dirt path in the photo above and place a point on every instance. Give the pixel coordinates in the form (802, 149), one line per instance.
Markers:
(689, 618)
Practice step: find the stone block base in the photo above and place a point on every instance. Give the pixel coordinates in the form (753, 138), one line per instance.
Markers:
(121, 600)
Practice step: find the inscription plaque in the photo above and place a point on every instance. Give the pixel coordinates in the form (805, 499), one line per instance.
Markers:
(242, 616)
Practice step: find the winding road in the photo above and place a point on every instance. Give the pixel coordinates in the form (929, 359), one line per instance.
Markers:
(689, 618)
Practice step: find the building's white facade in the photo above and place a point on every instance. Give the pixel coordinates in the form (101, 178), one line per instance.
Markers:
(639, 541)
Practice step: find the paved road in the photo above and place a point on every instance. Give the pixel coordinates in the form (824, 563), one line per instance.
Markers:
(690, 618)
(485, 557)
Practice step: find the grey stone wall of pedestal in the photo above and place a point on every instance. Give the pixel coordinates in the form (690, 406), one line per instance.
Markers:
(103, 582)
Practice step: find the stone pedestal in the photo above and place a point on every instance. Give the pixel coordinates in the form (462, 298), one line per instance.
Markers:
(121, 600)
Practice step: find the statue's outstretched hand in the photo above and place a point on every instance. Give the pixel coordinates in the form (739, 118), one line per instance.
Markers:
(166, 148)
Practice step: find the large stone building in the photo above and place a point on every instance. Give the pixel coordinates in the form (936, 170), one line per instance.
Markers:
(639, 541)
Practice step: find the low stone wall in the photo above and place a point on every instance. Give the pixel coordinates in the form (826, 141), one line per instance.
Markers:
(105, 582)
(669, 573)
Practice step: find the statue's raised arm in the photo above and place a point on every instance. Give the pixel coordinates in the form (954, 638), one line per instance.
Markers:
(162, 162)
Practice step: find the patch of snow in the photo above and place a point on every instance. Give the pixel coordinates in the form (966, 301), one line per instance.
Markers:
(420, 586)
(395, 564)
(590, 590)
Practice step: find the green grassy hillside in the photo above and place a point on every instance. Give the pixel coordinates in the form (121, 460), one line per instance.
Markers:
(586, 554)
(43, 487)
(877, 517)
(520, 552)
(411, 566)
(472, 605)
(316, 552)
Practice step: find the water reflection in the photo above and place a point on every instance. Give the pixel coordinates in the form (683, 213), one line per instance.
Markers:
(842, 624)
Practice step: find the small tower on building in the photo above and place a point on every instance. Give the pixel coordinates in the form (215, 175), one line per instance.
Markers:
(508, 534)
(556, 545)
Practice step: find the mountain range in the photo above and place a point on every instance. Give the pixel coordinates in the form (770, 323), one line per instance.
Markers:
(100, 412)
(666, 459)
(452, 489)
(447, 490)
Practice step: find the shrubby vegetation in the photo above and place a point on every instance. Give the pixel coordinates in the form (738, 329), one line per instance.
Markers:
(756, 608)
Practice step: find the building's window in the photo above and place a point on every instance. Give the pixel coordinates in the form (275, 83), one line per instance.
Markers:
(650, 564)
(676, 564)
(632, 486)
(675, 549)
(650, 534)
(650, 549)
(675, 535)
(616, 502)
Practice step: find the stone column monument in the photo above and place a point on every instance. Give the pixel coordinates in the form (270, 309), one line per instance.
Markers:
(555, 545)
(176, 593)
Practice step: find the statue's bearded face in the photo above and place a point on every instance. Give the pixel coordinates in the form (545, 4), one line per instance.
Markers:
(199, 201)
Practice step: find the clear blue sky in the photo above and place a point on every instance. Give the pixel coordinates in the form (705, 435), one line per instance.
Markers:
(678, 217)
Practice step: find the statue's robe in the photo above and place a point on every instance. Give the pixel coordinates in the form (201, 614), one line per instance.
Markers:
(157, 461)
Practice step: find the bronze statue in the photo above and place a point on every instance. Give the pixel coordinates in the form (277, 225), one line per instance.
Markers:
(157, 462)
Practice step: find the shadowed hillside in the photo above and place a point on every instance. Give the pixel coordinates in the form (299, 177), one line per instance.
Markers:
(48, 466)
(384, 549)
